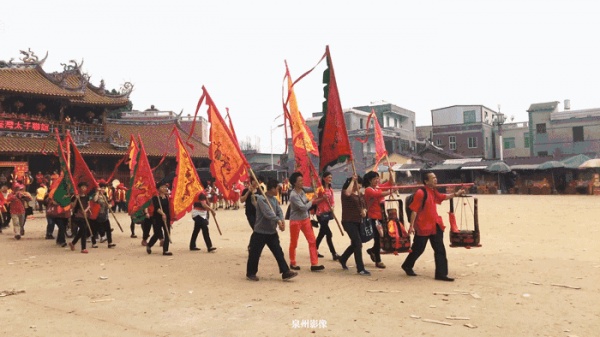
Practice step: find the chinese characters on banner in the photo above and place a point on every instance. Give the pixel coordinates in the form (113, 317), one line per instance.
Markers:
(21, 126)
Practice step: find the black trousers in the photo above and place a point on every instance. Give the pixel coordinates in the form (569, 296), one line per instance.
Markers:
(251, 219)
(146, 226)
(158, 228)
(5, 219)
(99, 227)
(325, 231)
(61, 223)
(285, 197)
(82, 232)
(200, 224)
(257, 243)
(439, 252)
(376, 249)
(352, 228)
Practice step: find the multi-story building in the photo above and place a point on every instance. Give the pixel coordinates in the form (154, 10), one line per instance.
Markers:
(515, 139)
(554, 133)
(467, 130)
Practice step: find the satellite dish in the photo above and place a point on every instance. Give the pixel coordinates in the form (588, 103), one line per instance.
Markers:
(116, 183)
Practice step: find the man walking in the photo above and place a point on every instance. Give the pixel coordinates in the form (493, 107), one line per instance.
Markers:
(427, 225)
(268, 218)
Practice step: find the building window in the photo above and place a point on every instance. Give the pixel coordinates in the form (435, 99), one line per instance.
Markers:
(438, 142)
(362, 123)
(452, 142)
(578, 134)
(469, 116)
(526, 137)
(472, 142)
(543, 154)
(387, 119)
(540, 128)
(509, 143)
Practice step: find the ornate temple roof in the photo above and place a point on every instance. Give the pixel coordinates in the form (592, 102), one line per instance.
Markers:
(28, 77)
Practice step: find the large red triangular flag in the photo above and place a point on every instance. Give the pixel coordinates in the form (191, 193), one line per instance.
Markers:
(143, 187)
(334, 145)
(380, 151)
(186, 185)
(227, 160)
(81, 172)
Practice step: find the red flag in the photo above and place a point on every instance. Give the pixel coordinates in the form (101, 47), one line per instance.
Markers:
(142, 183)
(62, 188)
(304, 165)
(227, 160)
(81, 172)
(380, 150)
(186, 185)
(334, 145)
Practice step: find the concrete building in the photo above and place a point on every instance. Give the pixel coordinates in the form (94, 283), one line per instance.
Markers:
(515, 139)
(568, 132)
(467, 130)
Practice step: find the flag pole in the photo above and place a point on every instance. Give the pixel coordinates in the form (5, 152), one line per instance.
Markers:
(313, 183)
(217, 223)
(73, 183)
(111, 211)
(165, 225)
(260, 189)
(392, 177)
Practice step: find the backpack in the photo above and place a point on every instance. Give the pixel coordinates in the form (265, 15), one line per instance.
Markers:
(408, 201)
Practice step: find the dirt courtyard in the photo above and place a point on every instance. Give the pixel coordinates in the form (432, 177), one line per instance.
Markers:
(537, 274)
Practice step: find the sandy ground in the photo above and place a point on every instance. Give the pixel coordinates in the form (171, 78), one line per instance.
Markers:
(508, 287)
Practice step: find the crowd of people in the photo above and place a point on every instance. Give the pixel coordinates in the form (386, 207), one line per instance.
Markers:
(87, 217)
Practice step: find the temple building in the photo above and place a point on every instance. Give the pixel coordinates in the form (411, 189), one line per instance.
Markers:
(35, 103)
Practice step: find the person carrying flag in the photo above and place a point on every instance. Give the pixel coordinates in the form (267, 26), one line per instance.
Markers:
(161, 217)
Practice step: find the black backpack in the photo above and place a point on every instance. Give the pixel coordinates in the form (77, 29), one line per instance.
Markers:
(408, 201)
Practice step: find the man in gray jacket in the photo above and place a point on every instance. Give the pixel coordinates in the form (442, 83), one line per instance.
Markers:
(268, 218)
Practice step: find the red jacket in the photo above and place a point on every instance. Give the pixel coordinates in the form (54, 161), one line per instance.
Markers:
(373, 199)
(427, 218)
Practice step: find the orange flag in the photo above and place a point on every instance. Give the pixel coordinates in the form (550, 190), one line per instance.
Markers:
(334, 145)
(132, 154)
(244, 175)
(186, 185)
(227, 160)
(380, 150)
(301, 134)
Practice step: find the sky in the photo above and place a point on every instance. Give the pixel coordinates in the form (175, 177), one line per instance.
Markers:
(419, 55)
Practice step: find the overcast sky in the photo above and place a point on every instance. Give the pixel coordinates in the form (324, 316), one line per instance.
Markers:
(420, 55)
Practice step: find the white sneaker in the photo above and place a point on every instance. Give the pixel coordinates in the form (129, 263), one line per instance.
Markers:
(103, 239)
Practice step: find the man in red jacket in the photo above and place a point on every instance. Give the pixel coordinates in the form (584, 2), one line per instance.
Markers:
(427, 225)
(16, 202)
